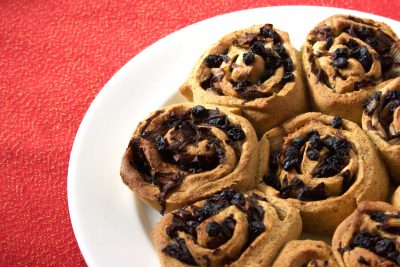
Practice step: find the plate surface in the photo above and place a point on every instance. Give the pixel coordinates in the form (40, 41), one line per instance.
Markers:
(111, 225)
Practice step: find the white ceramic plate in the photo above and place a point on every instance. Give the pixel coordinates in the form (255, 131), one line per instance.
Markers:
(111, 225)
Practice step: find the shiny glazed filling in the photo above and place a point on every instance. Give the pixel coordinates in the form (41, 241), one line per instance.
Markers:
(172, 146)
(254, 65)
(212, 224)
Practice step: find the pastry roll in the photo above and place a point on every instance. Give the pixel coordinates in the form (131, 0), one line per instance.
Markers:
(183, 152)
(228, 228)
(324, 166)
(306, 253)
(369, 236)
(345, 58)
(381, 121)
(254, 69)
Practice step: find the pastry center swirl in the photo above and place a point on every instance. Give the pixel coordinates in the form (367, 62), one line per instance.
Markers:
(384, 111)
(350, 54)
(217, 231)
(312, 164)
(252, 66)
(172, 146)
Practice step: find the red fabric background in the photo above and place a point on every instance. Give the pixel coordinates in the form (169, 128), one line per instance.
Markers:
(55, 56)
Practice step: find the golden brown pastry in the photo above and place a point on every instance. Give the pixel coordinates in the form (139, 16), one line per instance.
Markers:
(381, 121)
(255, 69)
(396, 198)
(183, 152)
(369, 236)
(306, 253)
(322, 165)
(226, 229)
(345, 58)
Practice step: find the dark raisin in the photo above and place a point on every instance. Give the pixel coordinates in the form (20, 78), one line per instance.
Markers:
(298, 142)
(351, 43)
(219, 121)
(198, 111)
(259, 48)
(391, 95)
(213, 228)
(275, 36)
(363, 239)
(311, 133)
(340, 52)
(386, 63)
(179, 250)
(364, 32)
(342, 147)
(312, 154)
(287, 77)
(272, 180)
(256, 228)
(303, 193)
(288, 64)
(291, 151)
(315, 142)
(266, 31)
(290, 163)
(329, 42)
(340, 63)
(238, 198)
(213, 61)
(161, 143)
(378, 217)
(248, 58)
(385, 246)
(371, 41)
(329, 141)
(236, 134)
(336, 122)
(241, 86)
(355, 52)
(365, 58)
(280, 50)
(207, 82)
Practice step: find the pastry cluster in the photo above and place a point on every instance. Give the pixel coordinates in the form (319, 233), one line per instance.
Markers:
(277, 142)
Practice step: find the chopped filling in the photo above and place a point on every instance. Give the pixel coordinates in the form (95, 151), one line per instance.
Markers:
(354, 56)
(381, 246)
(385, 110)
(248, 65)
(188, 219)
(185, 143)
(326, 156)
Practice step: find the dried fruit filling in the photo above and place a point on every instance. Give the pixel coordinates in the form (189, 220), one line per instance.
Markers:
(385, 110)
(185, 143)
(188, 221)
(383, 245)
(248, 63)
(328, 156)
(356, 41)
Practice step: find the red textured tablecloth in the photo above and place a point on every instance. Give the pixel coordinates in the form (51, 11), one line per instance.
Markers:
(55, 56)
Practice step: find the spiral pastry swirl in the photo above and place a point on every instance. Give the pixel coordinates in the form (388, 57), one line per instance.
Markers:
(370, 236)
(306, 253)
(345, 57)
(381, 121)
(228, 228)
(254, 69)
(324, 166)
(183, 152)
